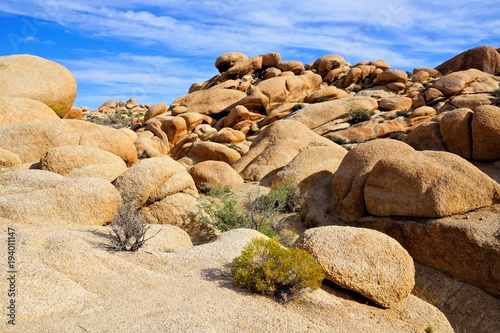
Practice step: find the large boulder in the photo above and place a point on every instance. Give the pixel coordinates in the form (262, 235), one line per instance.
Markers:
(30, 141)
(455, 127)
(212, 101)
(83, 161)
(484, 58)
(271, 93)
(363, 260)
(486, 133)
(427, 184)
(8, 159)
(214, 173)
(164, 193)
(426, 136)
(348, 182)
(315, 115)
(470, 81)
(274, 147)
(38, 78)
(43, 197)
(14, 110)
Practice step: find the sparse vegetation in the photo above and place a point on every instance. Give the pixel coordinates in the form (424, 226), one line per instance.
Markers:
(402, 113)
(496, 92)
(322, 99)
(266, 267)
(397, 136)
(429, 329)
(222, 209)
(316, 144)
(297, 107)
(129, 231)
(339, 141)
(359, 115)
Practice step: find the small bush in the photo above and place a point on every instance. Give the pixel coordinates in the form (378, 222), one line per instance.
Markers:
(266, 267)
(359, 115)
(322, 99)
(221, 209)
(297, 107)
(402, 113)
(397, 136)
(129, 231)
(496, 92)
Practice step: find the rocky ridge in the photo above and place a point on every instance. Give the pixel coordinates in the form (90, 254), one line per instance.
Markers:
(334, 127)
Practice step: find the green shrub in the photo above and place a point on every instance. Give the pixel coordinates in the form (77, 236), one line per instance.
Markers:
(397, 136)
(402, 113)
(266, 267)
(359, 115)
(220, 210)
(297, 107)
(322, 99)
(129, 231)
(496, 92)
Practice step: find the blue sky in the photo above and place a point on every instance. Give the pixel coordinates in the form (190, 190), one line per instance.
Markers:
(154, 50)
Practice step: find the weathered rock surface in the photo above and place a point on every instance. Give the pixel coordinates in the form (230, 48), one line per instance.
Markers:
(39, 79)
(8, 159)
(275, 147)
(83, 161)
(486, 133)
(484, 58)
(46, 198)
(30, 141)
(362, 260)
(214, 173)
(14, 110)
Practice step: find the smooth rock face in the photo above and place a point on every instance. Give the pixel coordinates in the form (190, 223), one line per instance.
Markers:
(348, 182)
(14, 110)
(39, 79)
(486, 133)
(8, 159)
(83, 161)
(455, 127)
(427, 184)
(42, 197)
(363, 260)
(275, 147)
(212, 101)
(33, 139)
(214, 173)
(484, 58)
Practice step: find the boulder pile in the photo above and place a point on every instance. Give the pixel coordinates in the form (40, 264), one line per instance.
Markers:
(414, 156)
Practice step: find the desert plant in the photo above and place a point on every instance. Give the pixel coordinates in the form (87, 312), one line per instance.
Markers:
(496, 92)
(266, 267)
(220, 209)
(429, 329)
(322, 99)
(359, 115)
(340, 141)
(402, 113)
(129, 231)
(397, 136)
(297, 107)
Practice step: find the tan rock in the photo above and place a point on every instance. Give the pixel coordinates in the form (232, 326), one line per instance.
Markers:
(391, 75)
(348, 182)
(14, 110)
(166, 238)
(155, 110)
(470, 101)
(312, 165)
(315, 115)
(423, 111)
(484, 58)
(270, 93)
(229, 135)
(228, 60)
(214, 173)
(292, 66)
(431, 71)
(334, 74)
(83, 161)
(46, 198)
(455, 128)
(432, 94)
(212, 101)
(420, 76)
(271, 72)
(376, 92)
(426, 136)
(486, 133)
(275, 147)
(8, 159)
(240, 69)
(367, 130)
(204, 151)
(39, 79)
(175, 129)
(74, 113)
(328, 93)
(270, 59)
(455, 82)
(396, 86)
(31, 140)
(395, 103)
(429, 184)
(380, 64)
(327, 63)
(354, 74)
(241, 113)
(363, 260)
